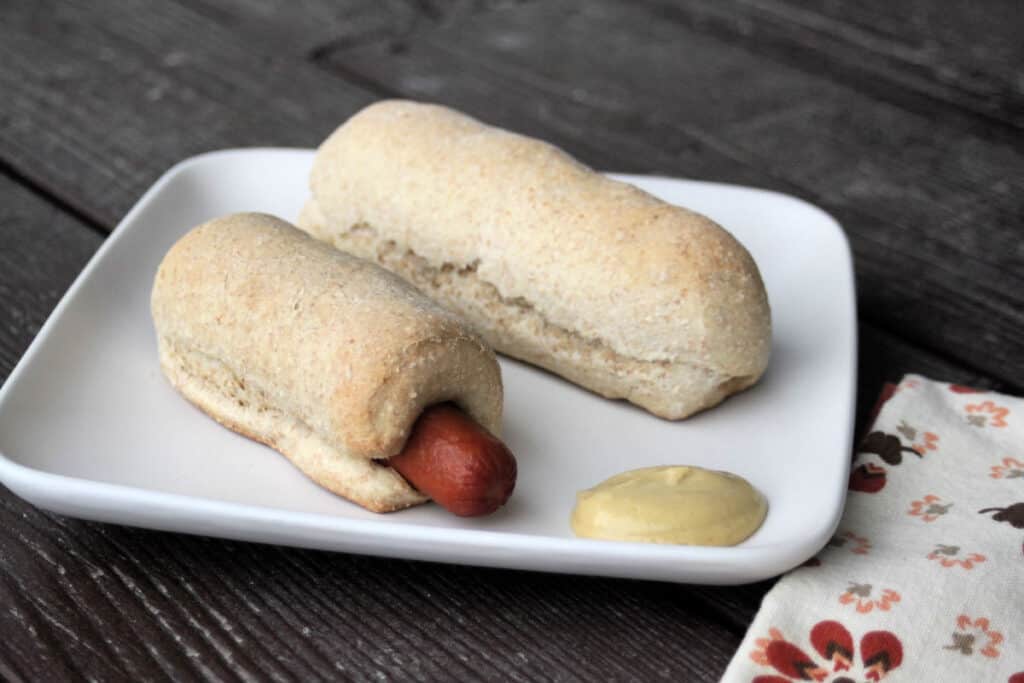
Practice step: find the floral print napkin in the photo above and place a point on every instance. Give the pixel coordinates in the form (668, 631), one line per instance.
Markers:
(924, 578)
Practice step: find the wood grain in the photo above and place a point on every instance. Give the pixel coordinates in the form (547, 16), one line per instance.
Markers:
(101, 98)
(956, 55)
(932, 207)
(310, 27)
(896, 116)
(89, 600)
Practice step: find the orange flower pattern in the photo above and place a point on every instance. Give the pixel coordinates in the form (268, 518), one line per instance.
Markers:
(944, 456)
(858, 544)
(1011, 468)
(986, 414)
(928, 508)
(859, 595)
(947, 556)
(969, 632)
(928, 441)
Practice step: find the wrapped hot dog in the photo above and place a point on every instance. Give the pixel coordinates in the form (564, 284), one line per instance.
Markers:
(334, 362)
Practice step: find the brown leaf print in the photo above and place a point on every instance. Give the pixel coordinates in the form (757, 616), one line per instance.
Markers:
(1014, 514)
(885, 446)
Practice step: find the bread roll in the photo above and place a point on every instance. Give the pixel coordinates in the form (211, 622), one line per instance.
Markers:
(552, 262)
(325, 357)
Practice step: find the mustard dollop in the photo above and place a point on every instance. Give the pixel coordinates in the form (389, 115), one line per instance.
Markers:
(670, 504)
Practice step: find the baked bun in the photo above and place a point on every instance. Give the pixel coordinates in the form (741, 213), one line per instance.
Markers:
(325, 357)
(553, 263)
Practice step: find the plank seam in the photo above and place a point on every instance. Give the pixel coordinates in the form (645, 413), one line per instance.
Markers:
(7, 169)
(858, 75)
(1006, 386)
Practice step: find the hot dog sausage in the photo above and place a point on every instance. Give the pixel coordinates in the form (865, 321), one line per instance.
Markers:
(456, 462)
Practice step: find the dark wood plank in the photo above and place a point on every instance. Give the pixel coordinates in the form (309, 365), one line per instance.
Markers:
(932, 208)
(300, 27)
(308, 27)
(89, 600)
(101, 98)
(86, 597)
(913, 51)
(958, 54)
(884, 357)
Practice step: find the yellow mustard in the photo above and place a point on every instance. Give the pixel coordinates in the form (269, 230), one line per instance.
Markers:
(670, 504)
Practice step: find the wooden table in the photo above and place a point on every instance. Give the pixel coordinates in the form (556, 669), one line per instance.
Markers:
(900, 117)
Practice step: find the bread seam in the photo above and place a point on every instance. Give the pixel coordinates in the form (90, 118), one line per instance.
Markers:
(245, 408)
(364, 241)
(595, 256)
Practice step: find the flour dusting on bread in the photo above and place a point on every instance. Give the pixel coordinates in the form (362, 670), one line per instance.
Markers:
(552, 262)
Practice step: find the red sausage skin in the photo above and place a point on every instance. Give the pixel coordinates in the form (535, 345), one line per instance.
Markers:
(458, 463)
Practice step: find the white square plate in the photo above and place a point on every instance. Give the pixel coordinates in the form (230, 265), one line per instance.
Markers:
(89, 427)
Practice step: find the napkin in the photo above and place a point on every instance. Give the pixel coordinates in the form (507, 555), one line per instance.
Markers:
(924, 578)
